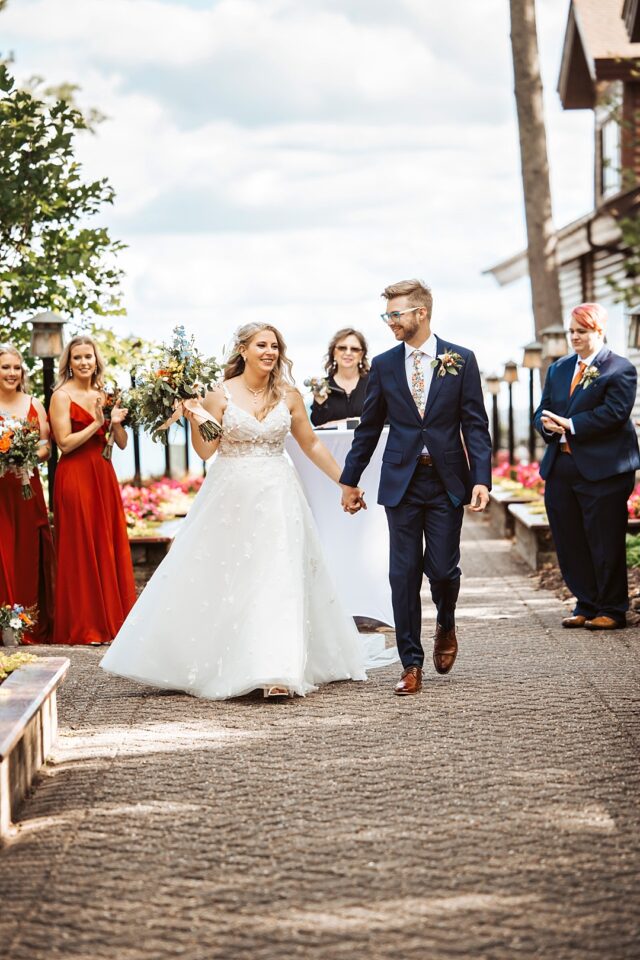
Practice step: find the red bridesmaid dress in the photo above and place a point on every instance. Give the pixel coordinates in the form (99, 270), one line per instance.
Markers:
(94, 586)
(26, 550)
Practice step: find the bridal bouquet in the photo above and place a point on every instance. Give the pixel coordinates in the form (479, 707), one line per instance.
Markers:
(19, 441)
(178, 380)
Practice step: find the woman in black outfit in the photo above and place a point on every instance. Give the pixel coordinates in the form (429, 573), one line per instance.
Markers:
(347, 369)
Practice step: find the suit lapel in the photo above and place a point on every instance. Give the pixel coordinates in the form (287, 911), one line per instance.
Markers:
(400, 373)
(600, 357)
(436, 381)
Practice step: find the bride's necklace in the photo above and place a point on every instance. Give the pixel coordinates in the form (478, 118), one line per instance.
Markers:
(254, 393)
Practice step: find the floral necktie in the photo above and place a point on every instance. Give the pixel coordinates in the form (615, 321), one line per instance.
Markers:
(417, 382)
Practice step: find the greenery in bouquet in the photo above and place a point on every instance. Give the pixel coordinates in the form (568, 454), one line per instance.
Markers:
(15, 617)
(180, 377)
(19, 442)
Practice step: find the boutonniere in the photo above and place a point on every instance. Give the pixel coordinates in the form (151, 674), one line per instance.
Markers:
(448, 362)
(591, 373)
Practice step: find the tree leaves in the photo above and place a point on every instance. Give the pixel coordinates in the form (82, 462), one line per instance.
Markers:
(49, 257)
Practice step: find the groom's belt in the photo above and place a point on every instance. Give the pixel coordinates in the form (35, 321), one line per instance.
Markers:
(425, 460)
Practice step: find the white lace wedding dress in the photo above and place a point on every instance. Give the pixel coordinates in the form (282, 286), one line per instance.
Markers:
(243, 599)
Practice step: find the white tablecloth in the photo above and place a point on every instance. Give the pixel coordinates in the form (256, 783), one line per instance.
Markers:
(356, 547)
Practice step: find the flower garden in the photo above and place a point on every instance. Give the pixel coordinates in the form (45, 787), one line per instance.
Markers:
(154, 501)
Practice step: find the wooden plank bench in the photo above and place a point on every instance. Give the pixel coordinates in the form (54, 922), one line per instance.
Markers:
(151, 550)
(501, 522)
(533, 540)
(28, 728)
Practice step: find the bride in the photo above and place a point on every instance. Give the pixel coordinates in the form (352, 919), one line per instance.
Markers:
(243, 599)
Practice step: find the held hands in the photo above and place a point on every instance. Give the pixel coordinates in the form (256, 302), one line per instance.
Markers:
(553, 423)
(352, 499)
(479, 498)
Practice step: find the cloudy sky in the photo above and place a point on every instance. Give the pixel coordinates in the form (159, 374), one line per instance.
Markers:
(286, 159)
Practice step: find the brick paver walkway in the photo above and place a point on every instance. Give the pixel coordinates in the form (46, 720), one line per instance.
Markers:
(495, 816)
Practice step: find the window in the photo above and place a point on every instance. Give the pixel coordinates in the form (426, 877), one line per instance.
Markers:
(609, 116)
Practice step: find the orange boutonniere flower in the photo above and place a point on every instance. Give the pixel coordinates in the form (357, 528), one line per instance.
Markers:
(447, 362)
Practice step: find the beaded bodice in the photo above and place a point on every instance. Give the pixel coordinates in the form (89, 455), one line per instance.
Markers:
(245, 436)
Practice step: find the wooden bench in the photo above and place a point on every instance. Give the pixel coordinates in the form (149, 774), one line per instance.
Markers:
(501, 522)
(151, 550)
(533, 540)
(28, 728)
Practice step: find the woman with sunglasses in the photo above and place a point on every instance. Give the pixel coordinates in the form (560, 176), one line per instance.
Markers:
(347, 370)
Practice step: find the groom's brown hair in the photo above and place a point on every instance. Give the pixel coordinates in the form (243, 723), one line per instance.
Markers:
(419, 293)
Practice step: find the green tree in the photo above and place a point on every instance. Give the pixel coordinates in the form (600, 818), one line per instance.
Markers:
(50, 258)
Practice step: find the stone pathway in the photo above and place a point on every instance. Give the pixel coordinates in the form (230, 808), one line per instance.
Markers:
(494, 816)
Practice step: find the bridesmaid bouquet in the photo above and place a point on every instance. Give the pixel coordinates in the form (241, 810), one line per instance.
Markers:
(112, 399)
(14, 620)
(19, 441)
(178, 380)
(319, 387)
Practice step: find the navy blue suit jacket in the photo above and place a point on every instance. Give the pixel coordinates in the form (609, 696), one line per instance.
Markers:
(605, 442)
(454, 404)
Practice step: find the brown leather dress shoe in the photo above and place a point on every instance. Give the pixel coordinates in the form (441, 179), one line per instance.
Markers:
(445, 649)
(573, 622)
(605, 623)
(410, 682)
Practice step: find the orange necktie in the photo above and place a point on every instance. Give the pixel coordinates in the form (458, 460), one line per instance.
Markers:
(577, 377)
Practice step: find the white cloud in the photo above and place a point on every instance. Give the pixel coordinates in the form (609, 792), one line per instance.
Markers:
(286, 159)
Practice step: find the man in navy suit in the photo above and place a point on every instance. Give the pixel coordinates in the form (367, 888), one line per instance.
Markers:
(429, 391)
(589, 468)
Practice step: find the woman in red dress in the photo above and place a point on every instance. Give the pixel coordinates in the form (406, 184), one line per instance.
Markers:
(26, 547)
(94, 586)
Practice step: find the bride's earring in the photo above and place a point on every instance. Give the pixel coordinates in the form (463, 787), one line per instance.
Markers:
(70, 373)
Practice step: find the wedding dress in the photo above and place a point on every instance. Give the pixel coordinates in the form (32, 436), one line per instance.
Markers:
(243, 599)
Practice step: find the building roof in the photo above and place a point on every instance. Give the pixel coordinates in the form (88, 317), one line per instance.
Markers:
(597, 229)
(596, 47)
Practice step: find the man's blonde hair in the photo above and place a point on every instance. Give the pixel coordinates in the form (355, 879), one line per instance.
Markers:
(419, 293)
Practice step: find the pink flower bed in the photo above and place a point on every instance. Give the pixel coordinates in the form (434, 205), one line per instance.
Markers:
(633, 503)
(529, 477)
(527, 474)
(152, 502)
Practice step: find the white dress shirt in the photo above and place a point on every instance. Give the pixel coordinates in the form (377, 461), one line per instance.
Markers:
(429, 352)
(589, 360)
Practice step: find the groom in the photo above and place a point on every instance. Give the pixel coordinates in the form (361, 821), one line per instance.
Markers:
(429, 391)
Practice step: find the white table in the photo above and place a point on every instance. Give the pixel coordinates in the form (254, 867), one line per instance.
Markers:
(356, 547)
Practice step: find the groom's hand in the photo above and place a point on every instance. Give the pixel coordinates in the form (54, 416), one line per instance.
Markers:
(479, 498)
(352, 499)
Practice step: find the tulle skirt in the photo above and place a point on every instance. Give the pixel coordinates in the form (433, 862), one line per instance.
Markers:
(244, 598)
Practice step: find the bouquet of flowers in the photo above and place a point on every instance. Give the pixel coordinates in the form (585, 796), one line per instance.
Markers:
(112, 399)
(178, 381)
(319, 387)
(19, 441)
(14, 620)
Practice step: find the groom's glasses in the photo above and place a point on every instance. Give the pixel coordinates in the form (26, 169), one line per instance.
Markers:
(396, 314)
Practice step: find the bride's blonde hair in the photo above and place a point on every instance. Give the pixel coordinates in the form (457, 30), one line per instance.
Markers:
(280, 378)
